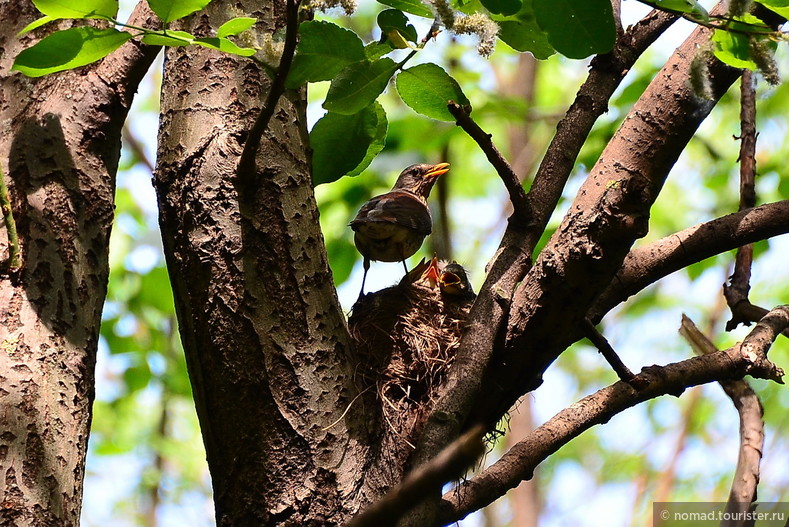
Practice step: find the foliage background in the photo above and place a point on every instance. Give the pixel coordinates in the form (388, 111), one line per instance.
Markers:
(146, 462)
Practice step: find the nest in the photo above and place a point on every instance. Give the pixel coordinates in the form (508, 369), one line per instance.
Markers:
(406, 337)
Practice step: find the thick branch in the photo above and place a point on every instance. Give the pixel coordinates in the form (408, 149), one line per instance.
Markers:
(648, 264)
(519, 462)
(513, 260)
(591, 101)
(609, 213)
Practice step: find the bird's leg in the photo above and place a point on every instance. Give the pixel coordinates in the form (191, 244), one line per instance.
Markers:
(405, 267)
(366, 265)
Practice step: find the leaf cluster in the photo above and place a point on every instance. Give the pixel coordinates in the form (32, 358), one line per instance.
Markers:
(78, 46)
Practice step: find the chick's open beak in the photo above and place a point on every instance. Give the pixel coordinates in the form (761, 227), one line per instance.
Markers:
(431, 274)
(437, 170)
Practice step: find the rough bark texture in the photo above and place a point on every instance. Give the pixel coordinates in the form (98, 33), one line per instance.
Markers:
(265, 339)
(609, 213)
(59, 146)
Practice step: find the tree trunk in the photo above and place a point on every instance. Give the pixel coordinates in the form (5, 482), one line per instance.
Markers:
(266, 342)
(59, 147)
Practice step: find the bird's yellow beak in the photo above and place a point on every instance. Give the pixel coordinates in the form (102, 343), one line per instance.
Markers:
(449, 279)
(437, 170)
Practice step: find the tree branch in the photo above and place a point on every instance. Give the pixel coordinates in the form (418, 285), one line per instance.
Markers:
(424, 481)
(520, 461)
(502, 166)
(14, 262)
(513, 259)
(591, 101)
(648, 264)
(609, 213)
(246, 164)
(736, 291)
(605, 349)
(749, 408)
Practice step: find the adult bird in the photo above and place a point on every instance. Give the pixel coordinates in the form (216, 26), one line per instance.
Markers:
(391, 227)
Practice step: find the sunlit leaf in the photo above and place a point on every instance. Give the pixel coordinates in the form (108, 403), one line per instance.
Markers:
(779, 6)
(78, 8)
(734, 48)
(169, 10)
(577, 28)
(376, 50)
(358, 85)
(68, 49)
(234, 26)
(324, 50)
(171, 38)
(682, 6)
(224, 45)
(36, 24)
(346, 144)
(415, 7)
(427, 89)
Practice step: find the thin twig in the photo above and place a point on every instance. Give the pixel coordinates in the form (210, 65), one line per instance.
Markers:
(423, 481)
(503, 168)
(749, 408)
(605, 349)
(736, 291)
(14, 262)
(246, 164)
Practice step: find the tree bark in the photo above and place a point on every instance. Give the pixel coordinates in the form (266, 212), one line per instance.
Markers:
(266, 341)
(59, 144)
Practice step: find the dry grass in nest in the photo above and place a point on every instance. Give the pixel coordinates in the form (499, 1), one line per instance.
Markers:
(406, 336)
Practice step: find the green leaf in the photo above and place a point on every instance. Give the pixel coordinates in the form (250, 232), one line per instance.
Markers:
(427, 89)
(522, 33)
(393, 20)
(415, 7)
(779, 6)
(36, 24)
(376, 50)
(682, 6)
(577, 28)
(346, 144)
(170, 38)
(68, 49)
(525, 36)
(78, 8)
(358, 85)
(169, 10)
(324, 50)
(502, 7)
(224, 45)
(234, 26)
(735, 49)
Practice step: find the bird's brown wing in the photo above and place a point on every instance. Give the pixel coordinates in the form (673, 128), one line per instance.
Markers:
(398, 207)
